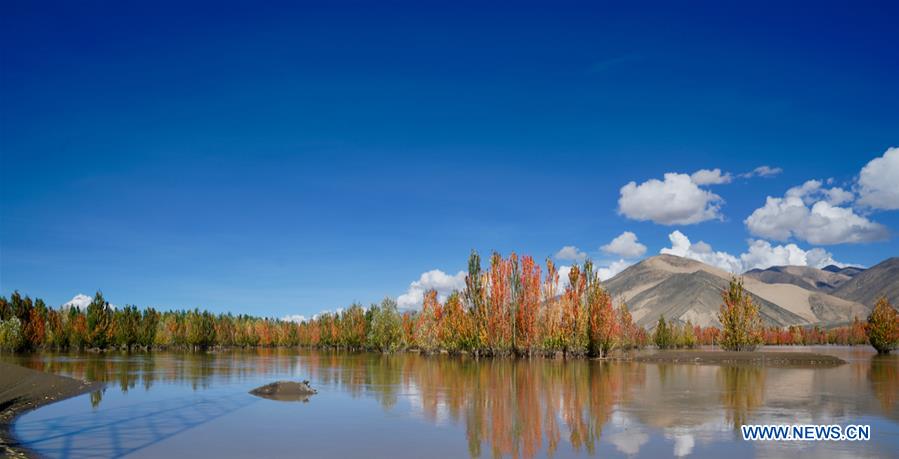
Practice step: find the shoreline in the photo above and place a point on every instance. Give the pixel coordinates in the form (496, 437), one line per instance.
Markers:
(757, 357)
(22, 390)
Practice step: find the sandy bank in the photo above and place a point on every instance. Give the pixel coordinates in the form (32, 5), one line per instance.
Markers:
(763, 358)
(21, 390)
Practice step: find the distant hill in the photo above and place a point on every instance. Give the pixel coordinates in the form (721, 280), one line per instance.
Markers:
(683, 289)
(807, 277)
(850, 271)
(869, 285)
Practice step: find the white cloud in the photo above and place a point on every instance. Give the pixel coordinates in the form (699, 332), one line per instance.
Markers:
(837, 196)
(570, 253)
(879, 182)
(700, 251)
(677, 200)
(812, 191)
(629, 441)
(433, 279)
(80, 301)
(563, 278)
(822, 223)
(296, 318)
(762, 255)
(683, 443)
(613, 269)
(625, 245)
(759, 255)
(603, 272)
(710, 177)
(762, 171)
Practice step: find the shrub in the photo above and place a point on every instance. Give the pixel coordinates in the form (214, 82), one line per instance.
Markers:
(12, 338)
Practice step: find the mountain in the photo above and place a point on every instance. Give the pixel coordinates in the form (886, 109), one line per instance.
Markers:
(683, 289)
(814, 279)
(869, 285)
(850, 271)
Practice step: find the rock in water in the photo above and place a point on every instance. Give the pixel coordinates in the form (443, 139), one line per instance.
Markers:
(285, 391)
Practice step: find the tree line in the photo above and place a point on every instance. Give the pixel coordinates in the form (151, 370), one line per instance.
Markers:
(511, 307)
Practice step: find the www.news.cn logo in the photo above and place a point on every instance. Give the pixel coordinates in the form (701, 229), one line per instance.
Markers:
(779, 432)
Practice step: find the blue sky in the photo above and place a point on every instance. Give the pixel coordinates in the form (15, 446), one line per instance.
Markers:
(287, 158)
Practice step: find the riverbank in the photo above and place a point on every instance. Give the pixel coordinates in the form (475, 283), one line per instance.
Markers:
(762, 358)
(22, 390)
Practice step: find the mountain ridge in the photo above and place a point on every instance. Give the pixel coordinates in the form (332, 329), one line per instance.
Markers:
(684, 289)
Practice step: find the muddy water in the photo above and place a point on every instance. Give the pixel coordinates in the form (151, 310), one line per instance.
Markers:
(197, 405)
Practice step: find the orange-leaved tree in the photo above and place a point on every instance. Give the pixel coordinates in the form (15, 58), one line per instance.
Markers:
(883, 327)
(602, 330)
(528, 306)
(572, 312)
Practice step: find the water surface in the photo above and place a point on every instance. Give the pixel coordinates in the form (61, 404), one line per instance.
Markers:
(198, 405)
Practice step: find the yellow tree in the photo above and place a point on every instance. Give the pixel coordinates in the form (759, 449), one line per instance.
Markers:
(741, 325)
(551, 313)
(428, 325)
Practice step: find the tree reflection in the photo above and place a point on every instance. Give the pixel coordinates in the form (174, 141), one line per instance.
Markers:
(509, 407)
(883, 374)
(742, 391)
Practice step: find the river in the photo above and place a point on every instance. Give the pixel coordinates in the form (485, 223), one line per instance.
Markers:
(410, 406)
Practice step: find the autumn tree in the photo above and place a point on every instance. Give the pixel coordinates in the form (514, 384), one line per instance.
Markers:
(572, 312)
(427, 324)
(741, 325)
(883, 327)
(57, 336)
(528, 306)
(602, 329)
(499, 325)
(551, 313)
(457, 329)
(627, 330)
(36, 326)
(352, 332)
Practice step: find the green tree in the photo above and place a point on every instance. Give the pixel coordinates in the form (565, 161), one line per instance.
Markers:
(688, 336)
(386, 333)
(662, 336)
(883, 327)
(741, 325)
(126, 324)
(12, 337)
(475, 297)
(200, 329)
(146, 333)
(99, 321)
